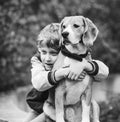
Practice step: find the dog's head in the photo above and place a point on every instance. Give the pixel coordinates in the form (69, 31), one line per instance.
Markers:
(78, 29)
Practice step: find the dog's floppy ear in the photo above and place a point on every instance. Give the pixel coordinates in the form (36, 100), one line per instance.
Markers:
(90, 33)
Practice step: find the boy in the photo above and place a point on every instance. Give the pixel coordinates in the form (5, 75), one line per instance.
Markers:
(43, 78)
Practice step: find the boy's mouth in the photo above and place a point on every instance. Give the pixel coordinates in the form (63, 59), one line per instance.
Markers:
(48, 66)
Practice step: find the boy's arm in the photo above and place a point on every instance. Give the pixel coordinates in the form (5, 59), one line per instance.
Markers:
(103, 71)
(97, 69)
(39, 77)
(43, 80)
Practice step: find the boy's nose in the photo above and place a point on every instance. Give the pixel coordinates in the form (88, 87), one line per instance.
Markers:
(48, 57)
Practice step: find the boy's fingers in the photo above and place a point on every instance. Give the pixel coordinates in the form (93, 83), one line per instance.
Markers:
(76, 77)
(81, 77)
(73, 76)
(65, 66)
(83, 74)
(70, 75)
(66, 72)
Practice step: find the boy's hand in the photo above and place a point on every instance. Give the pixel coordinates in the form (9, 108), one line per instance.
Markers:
(61, 73)
(76, 69)
(64, 72)
(82, 76)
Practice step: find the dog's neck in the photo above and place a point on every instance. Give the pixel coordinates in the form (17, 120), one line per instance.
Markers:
(77, 49)
(74, 52)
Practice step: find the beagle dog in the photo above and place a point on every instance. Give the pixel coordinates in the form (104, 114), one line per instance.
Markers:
(73, 101)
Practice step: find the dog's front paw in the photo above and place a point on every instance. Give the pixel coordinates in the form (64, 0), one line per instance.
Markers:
(60, 120)
(96, 121)
(60, 117)
(85, 120)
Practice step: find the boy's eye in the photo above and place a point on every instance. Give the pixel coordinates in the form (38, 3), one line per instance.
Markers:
(54, 53)
(43, 52)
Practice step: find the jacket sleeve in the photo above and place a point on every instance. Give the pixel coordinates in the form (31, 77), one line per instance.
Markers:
(103, 71)
(35, 99)
(39, 77)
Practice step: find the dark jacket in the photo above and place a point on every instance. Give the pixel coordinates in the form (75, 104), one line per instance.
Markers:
(35, 99)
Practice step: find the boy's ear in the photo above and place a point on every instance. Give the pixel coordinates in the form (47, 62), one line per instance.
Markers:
(91, 32)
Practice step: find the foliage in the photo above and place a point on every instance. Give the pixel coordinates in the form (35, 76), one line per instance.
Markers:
(21, 21)
(110, 111)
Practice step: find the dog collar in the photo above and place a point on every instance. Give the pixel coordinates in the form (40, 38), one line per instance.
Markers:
(72, 55)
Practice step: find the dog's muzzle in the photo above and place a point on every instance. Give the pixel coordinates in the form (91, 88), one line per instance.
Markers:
(65, 38)
(65, 34)
(66, 41)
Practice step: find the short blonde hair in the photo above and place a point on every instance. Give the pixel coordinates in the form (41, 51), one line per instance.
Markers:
(50, 37)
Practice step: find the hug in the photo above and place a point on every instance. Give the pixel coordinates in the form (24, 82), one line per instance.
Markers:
(63, 72)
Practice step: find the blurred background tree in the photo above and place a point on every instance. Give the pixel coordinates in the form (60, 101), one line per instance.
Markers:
(21, 21)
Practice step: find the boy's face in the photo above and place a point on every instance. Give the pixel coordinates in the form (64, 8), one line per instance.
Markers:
(48, 57)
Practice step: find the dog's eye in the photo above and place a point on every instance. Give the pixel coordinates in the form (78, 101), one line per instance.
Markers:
(76, 26)
(64, 26)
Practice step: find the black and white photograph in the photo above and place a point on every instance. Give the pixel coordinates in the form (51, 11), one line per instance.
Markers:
(60, 61)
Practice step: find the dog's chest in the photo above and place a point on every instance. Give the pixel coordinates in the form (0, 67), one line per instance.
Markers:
(68, 61)
(74, 89)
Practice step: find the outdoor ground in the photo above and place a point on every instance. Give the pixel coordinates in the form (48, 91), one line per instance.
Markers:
(12, 106)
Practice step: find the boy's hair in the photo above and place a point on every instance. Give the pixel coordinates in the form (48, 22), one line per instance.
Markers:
(50, 37)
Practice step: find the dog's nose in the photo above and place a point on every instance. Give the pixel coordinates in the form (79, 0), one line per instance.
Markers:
(65, 34)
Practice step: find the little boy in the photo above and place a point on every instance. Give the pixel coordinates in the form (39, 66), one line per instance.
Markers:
(42, 63)
(44, 79)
